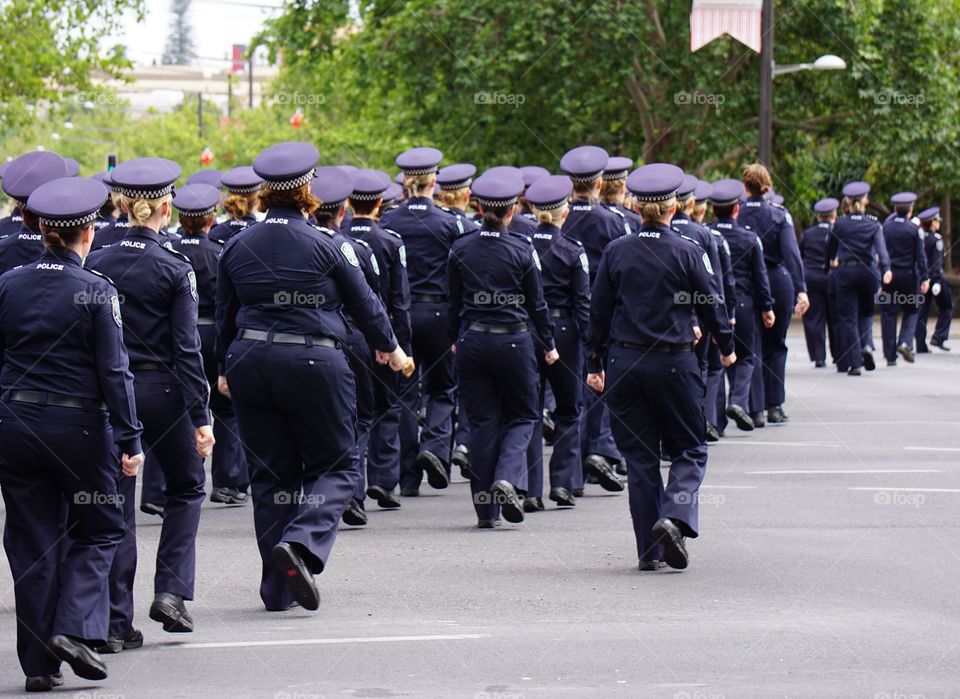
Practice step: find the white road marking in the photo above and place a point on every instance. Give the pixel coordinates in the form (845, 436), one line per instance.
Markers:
(950, 449)
(831, 423)
(331, 641)
(912, 490)
(731, 487)
(793, 444)
(843, 471)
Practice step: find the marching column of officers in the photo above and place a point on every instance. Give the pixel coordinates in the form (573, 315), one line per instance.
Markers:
(592, 310)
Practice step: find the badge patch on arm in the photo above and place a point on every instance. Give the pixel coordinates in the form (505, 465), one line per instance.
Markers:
(348, 252)
(115, 305)
(403, 255)
(585, 263)
(536, 260)
(192, 278)
(706, 263)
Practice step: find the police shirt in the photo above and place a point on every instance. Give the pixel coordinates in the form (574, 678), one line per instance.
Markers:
(391, 255)
(10, 224)
(813, 246)
(111, 233)
(26, 245)
(464, 224)
(746, 256)
(594, 226)
(427, 232)
(905, 246)
(565, 273)
(712, 241)
(222, 232)
(775, 227)
(203, 254)
(933, 252)
(855, 238)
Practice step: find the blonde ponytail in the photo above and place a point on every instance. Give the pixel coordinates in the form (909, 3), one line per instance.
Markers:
(141, 210)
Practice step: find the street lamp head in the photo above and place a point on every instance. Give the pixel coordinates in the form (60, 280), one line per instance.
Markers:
(829, 62)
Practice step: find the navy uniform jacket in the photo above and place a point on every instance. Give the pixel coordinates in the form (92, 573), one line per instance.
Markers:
(368, 261)
(905, 246)
(111, 233)
(222, 232)
(813, 246)
(10, 224)
(103, 222)
(60, 332)
(632, 218)
(203, 254)
(284, 275)
(158, 290)
(933, 252)
(394, 288)
(637, 284)
(712, 241)
(20, 248)
(565, 273)
(775, 227)
(427, 232)
(494, 277)
(594, 226)
(464, 224)
(746, 256)
(855, 238)
(521, 225)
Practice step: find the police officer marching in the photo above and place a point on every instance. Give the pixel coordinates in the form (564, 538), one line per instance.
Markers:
(68, 427)
(614, 188)
(641, 346)
(242, 202)
(939, 288)
(818, 320)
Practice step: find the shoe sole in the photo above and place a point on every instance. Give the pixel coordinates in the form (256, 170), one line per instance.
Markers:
(80, 667)
(674, 552)
(868, 362)
(905, 353)
(510, 508)
(436, 473)
(741, 420)
(354, 521)
(383, 502)
(563, 503)
(302, 588)
(172, 620)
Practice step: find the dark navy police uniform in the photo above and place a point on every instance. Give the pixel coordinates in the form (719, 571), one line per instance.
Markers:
(908, 264)
(818, 320)
(939, 288)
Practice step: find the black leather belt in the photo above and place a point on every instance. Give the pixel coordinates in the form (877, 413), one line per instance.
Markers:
(856, 263)
(664, 347)
(287, 338)
(206, 321)
(498, 328)
(428, 298)
(560, 313)
(55, 399)
(148, 366)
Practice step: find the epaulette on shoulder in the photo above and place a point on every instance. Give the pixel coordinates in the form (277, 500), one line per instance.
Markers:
(616, 211)
(523, 236)
(393, 233)
(216, 240)
(572, 240)
(688, 238)
(99, 274)
(329, 231)
(177, 254)
(361, 242)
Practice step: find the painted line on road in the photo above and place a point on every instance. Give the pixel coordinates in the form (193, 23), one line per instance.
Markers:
(912, 490)
(332, 641)
(731, 487)
(950, 449)
(833, 445)
(821, 423)
(843, 471)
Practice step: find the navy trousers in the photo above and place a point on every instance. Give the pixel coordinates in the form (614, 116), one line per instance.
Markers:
(297, 411)
(152, 485)
(564, 378)
(431, 349)
(856, 287)
(901, 294)
(124, 569)
(228, 467)
(657, 398)
(773, 341)
(360, 358)
(815, 320)
(944, 316)
(740, 374)
(498, 381)
(54, 457)
(383, 448)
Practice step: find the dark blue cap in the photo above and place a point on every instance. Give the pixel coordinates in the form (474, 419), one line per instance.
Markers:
(769, 194)
(903, 198)
(687, 186)
(196, 199)
(498, 189)
(726, 192)
(103, 177)
(504, 170)
(30, 170)
(931, 214)
(394, 193)
(550, 192)
(3, 168)
(456, 176)
(584, 163)
(419, 161)
(241, 180)
(347, 167)
(68, 201)
(399, 178)
(532, 173)
(617, 168)
(331, 186)
(369, 185)
(145, 178)
(73, 167)
(287, 165)
(655, 182)
(856, 190)
(703, 191)
(209, 176)
(826, 206)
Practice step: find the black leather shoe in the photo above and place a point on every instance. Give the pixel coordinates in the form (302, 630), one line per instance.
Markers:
(82, 660)
(891, 362)
(354, 514)
(436, 472)
(385, 499)
(563, 497)
(228, 496)
(648, 566)
(461, 459)
(759, 419)
(868, 361)
(820, 364)
(907, 353)
(939, 344)
(599, 468)
(549, 428)
(532, 504)
(169, 610)
(298, 575)
(577, 492)
(775, 415)
(853, 372)
(409, 492)
(150, 508)
(488, 523)
(506, 496)
(621, 468)
(44, 683)
(739, 416)
(115, 644)
(674, 550)
(712, 434)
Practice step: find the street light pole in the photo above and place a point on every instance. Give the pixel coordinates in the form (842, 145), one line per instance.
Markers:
(766, 83)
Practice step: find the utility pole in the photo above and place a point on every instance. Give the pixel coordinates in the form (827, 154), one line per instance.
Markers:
(766, 84)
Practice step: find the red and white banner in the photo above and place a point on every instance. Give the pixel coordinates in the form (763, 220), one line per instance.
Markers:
(740, 19)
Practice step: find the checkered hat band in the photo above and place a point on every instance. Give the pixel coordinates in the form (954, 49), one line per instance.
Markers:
(420, 171)
(611, 175)
(367, 196)
(331, 205)
(585, 179)
(198, 212)
(143, 193)
(726, 202)
(296, 183)
(655, 198)
(550, 206)
(69, 222)
(245, 190)
(497, 203)
(451, 186)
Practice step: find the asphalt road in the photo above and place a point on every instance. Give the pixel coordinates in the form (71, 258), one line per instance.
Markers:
(827, 567)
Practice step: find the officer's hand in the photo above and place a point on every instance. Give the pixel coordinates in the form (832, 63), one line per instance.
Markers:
(551, 356)
(596, 381)
(769, 318)
(728, 360)
(223, 387)
(205, 440)
(453, 349)
(697, 333)
(733, 321)
(803, 303)
(397, 359)
(936, 289)
(887, 277)
(834, 262)
(131, 464)
(924, 286)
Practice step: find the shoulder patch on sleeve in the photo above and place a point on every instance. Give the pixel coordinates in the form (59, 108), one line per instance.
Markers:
(192, 279)
(374, 265)
(402, 254)
(349, 253)
(536, 259)
(585, 263)
(706, 263)
(939, 243)
(460, 226)
(115, 307)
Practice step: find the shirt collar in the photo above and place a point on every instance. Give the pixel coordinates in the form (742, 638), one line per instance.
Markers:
(62, 255)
